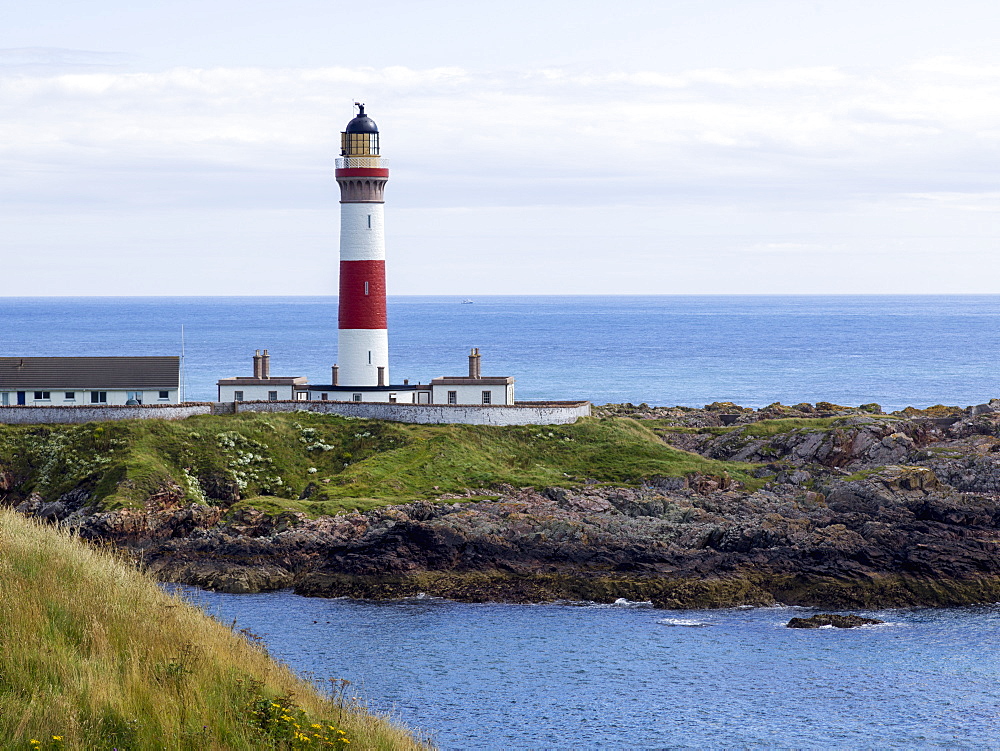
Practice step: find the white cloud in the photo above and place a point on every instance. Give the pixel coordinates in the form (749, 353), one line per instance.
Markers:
(711, 152)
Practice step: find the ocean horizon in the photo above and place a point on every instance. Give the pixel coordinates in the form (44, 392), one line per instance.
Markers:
(691, 350)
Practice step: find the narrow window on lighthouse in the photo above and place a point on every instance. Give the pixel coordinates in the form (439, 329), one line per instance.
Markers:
(369, 221)
(366, 288)
(369, 357)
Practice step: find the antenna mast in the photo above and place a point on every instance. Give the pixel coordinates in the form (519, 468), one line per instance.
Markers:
(183, 383)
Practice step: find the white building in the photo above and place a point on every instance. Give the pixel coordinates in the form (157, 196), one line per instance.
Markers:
(64, 381)
(473, 388)
(261, 386)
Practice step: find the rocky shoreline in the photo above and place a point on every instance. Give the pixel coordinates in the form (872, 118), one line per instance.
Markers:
(851, 509)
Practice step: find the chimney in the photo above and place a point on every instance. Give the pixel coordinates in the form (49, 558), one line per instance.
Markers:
(381, 375)
(475, 367)
(265, 365)
(335, 375)
(406, 381)
(256, 364)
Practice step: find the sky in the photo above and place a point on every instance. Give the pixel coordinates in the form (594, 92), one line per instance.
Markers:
(546, 147)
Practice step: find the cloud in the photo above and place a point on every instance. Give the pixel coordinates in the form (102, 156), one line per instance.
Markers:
(45, 60)
(927, 125)
(549, 168)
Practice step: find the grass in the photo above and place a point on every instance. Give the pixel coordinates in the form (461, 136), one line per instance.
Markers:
(324, 464)
(767, 428)
(95, 655)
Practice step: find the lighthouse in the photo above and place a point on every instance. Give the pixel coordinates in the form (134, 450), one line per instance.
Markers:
(362, 334)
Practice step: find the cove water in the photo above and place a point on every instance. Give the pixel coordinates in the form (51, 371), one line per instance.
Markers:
(627, 676)
(896, 351)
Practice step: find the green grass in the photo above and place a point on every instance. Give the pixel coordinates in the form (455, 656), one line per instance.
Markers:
(321, 464)
(93, 654)
(766, 428)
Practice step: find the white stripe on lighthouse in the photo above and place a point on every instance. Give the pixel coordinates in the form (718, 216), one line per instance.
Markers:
(353, 346)
(362, 236)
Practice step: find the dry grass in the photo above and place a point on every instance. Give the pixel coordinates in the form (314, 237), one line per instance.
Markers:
(93, 654)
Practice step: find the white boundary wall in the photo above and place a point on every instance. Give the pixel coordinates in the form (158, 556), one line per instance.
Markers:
(101, 413)
(522, 413)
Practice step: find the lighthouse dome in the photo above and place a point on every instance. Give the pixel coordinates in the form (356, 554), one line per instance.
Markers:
(362, 123)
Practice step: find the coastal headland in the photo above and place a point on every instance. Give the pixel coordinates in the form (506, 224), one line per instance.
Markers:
(820, 505)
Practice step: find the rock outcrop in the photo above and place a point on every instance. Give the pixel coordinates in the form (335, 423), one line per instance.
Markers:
(833, 620)
(851, 508)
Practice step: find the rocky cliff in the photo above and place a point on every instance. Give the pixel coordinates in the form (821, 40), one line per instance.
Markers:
(831, 506)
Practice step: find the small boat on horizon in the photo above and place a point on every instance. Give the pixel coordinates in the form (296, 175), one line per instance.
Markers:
(467, 302)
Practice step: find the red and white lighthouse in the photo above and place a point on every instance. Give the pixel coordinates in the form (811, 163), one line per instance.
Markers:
(363, 337)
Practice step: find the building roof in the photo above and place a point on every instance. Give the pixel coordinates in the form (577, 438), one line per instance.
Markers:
(89, 372)
(348, 389)
(269, 381)
(466, 381)
(362, 123)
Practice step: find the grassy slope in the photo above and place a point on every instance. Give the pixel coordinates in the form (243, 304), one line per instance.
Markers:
(94, 653)
(337, 463)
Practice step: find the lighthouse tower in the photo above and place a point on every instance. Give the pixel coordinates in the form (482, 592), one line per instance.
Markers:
(362, 338)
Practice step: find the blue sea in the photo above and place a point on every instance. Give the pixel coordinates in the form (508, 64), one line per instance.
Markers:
(894, 350)
(627, 676)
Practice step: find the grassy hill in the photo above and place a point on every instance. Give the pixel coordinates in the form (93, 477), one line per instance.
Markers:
(95, 655)
(323, 464)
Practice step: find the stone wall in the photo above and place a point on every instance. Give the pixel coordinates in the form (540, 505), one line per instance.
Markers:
(520, 413)
(101, 413)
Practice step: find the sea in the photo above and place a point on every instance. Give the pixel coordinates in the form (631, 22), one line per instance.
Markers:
(623, 676)
(894, 350)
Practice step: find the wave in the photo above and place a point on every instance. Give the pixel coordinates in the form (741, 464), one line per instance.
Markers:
(688, 622)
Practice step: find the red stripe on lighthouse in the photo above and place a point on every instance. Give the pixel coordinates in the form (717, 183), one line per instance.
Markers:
(359, 310)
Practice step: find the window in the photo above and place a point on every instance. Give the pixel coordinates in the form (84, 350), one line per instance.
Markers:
(133, 396)
(70, 396)
(272, 396)
(42, 396)
(5, 399)
(369, 354)
(164, 395)
(487, 397)
(98, 397)
(366, 288)
(452, 397)
(369, 221)
(323, 397)
(357, 397)
(301, 395)
(392, 398)
(237, 396)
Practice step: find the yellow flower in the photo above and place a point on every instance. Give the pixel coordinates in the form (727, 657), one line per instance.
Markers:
(318, 727)
(57, 737)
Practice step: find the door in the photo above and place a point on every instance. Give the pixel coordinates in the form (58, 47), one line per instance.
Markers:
(21, 398)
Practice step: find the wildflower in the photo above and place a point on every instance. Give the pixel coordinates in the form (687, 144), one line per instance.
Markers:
(57, 737)
(318, 727)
